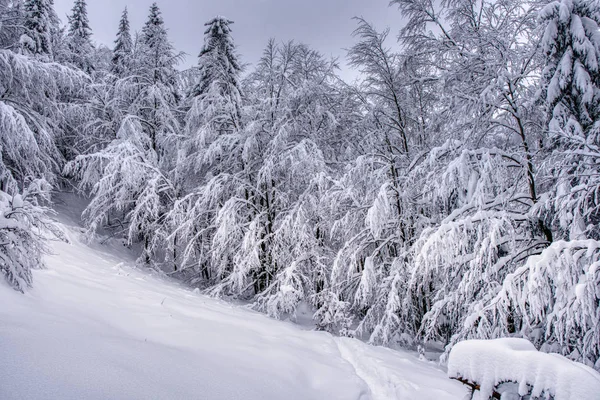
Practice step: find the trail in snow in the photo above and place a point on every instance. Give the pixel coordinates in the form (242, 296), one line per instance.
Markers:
(94, 327)
(395, 375)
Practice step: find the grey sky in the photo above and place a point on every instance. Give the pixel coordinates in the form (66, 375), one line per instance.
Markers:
(324, 24)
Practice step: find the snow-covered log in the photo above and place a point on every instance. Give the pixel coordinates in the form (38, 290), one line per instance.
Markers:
(504, 367)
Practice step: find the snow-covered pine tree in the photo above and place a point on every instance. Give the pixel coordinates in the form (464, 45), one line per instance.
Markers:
(215, 108)
(113, 94)
(209, 154)
(160, 93)
(123, 50)
(572, 86)
(79, 37)
(158, 58)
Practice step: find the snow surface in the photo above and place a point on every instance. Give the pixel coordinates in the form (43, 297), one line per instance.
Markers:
(491, 362)
(94, 327)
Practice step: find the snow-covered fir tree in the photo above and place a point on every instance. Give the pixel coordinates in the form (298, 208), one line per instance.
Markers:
(206, 156)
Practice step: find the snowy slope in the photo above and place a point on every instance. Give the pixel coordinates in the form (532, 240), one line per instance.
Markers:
(93, 327)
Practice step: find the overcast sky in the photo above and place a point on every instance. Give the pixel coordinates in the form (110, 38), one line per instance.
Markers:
(326, 25)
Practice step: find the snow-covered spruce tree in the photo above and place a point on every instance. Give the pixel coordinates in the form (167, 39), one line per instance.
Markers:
(219, 73)
(78, 38)
(112, 94)
(38, 22)
(553, 300)
(160, 93)
(123, 50)
(572, 86)
(130, 179)
(29, 158)
(218, 62)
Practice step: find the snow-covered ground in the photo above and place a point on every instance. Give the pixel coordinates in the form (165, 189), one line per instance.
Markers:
(94, 327)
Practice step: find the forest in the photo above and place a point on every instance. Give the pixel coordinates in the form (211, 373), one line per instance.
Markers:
(450, 192)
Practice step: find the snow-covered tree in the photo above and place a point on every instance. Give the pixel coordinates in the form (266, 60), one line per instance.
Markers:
(11, 24)
(130, 175)
(79, 37)
(471, 212)
(24, 228)
(572, 85)
(158, 58)
(372, 202)
(219, 68)
(125, 183)
(37, 38)
(250, 226)
(30, 119)
(123, 50)
(553, 298)
(159, 83)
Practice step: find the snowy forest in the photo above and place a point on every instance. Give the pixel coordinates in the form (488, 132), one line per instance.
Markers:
(451, 192)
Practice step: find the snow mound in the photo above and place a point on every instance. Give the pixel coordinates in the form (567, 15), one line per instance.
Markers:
(489, 363)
